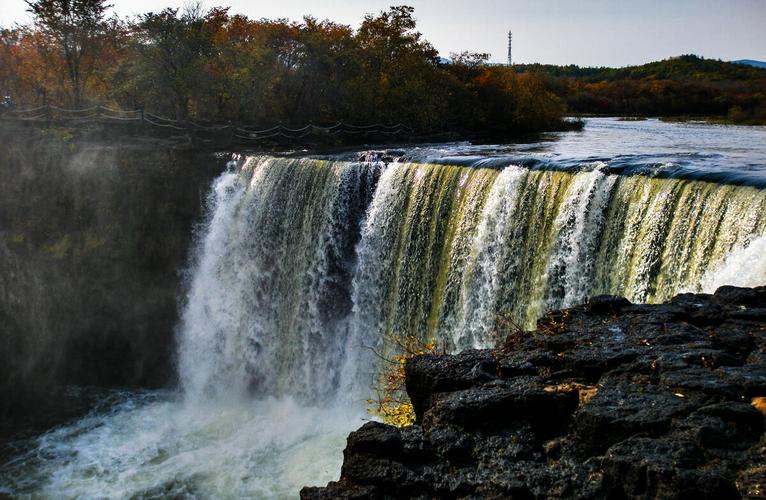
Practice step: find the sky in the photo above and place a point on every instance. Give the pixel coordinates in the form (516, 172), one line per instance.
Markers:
(584, 32)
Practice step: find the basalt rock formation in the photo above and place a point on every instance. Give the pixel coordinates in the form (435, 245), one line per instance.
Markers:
(604, 400)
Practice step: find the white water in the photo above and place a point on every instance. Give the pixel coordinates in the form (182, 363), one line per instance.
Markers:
(266, 448)
(579, 225)
(489, 252)
(745, 266)
(258, 415)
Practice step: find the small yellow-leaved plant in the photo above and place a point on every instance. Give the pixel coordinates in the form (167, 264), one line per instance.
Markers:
(391, 402)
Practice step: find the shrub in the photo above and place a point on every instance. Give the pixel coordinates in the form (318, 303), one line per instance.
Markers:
(391, 402)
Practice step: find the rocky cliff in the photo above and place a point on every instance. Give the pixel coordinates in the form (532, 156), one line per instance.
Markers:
(604, 400)
(93, 235)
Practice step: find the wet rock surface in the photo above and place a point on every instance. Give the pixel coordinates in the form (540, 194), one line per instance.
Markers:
(604, 400)
(93, 235)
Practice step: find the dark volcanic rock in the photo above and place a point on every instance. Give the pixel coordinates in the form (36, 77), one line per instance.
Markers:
(605, 400)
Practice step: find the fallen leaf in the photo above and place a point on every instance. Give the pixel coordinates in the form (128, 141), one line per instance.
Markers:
(759, 403)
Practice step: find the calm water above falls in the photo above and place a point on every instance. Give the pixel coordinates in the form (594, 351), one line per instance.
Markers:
(723, 153)
(303, 262)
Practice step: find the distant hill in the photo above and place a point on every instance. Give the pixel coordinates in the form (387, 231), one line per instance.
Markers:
(683, 68)
(681, 86)
(751, 62)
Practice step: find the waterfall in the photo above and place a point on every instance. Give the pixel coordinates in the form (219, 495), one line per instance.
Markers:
(261, 350)
(269, 294)
(307, 266)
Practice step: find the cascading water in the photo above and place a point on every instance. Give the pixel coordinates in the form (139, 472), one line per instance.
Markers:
(281, 304)
(266, 311)
(743, 267)
(445, 249)
(305, 266)
(260, 353)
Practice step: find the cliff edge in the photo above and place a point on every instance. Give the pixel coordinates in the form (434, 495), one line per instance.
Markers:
(604, 400)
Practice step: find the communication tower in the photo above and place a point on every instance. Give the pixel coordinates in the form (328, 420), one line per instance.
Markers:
(510, 37)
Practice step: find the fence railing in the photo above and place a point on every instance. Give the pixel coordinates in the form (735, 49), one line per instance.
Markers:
(100, 113)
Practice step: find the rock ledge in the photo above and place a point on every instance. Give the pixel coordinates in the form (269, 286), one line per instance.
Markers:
(604, 400)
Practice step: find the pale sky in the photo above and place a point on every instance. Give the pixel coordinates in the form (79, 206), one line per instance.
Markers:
(584, 32)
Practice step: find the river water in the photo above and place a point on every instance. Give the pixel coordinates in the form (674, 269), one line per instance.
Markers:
(306, 264)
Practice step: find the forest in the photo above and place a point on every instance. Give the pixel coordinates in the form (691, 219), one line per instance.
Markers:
(685, 86)
(215, 67)
(212, 66)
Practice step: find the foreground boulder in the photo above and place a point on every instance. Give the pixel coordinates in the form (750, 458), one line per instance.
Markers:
(604, 400)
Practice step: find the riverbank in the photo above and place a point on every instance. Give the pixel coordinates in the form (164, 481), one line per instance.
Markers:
(704, 119)
(604, 400)
(734, 119)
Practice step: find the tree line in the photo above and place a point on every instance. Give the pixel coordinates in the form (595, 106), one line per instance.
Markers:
(687, 85)
(213, 66)
(210, 65)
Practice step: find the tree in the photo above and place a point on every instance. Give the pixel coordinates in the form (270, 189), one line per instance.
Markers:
(205, 64)
(175, 49)
(24, 75)
(73, 30)
(314, 62)
(397, 79)
(470, 60)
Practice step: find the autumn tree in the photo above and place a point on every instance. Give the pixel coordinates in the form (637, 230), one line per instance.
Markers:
(318, 84)
(72, 30)
(13, 62)
(208, 65)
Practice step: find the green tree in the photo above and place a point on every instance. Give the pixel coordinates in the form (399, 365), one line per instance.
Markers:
(174, 47)
(397, 78)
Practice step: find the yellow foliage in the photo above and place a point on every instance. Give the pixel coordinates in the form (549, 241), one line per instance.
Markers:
(554, 322)
(759, 403)
(391, 403)
(585, 392)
